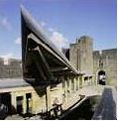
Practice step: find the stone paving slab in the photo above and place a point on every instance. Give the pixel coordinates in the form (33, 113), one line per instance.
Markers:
(106, 110)
(87, 91)
(14, 117)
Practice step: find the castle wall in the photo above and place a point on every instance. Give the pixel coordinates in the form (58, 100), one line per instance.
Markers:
(81, 56)
(96, 58)
(11, 69)
(109, 65)
(73, 55)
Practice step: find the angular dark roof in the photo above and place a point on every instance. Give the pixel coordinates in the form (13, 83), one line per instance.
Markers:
(32, 30)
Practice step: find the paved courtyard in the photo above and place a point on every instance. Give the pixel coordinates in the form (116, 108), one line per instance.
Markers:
(106, 110)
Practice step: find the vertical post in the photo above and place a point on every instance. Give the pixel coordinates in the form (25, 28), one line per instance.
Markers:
(65, 90)
(72, 87)
(13, 100)
(77, 83)
(68, 87)
(74, 84)
(70, 84)
(24, 104)
(48, 100)
(89, 81)
(78, 80)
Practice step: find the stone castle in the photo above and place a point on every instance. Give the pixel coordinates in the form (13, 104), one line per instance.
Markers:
(45, 77)
(81, 56)
(10, 68)
(96, 63)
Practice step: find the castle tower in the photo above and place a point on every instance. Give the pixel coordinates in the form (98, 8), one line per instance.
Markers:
(81, 54)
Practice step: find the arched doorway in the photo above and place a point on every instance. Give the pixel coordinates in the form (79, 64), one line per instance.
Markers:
(102, 77)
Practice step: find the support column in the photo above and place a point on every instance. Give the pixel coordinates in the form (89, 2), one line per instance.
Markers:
(65, 91)
(48, 100)
(70, 84)
(78, 79)
(65, 86)
(89, 81)
(68, 87)
(75, 84)
(24, 104)
(13, 100)
(33, 102)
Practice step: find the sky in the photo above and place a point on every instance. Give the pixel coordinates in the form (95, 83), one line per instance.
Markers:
(62, 21)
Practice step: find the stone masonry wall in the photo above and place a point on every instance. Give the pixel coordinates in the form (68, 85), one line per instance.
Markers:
(11, 69)
(109, 59)
(81, 56)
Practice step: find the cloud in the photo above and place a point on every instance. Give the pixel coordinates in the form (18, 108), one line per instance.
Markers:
(18, 40)
(59, 40)
(43, 24)
(8, 55)
(56, 37)
(50, 29)
(5, 23)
